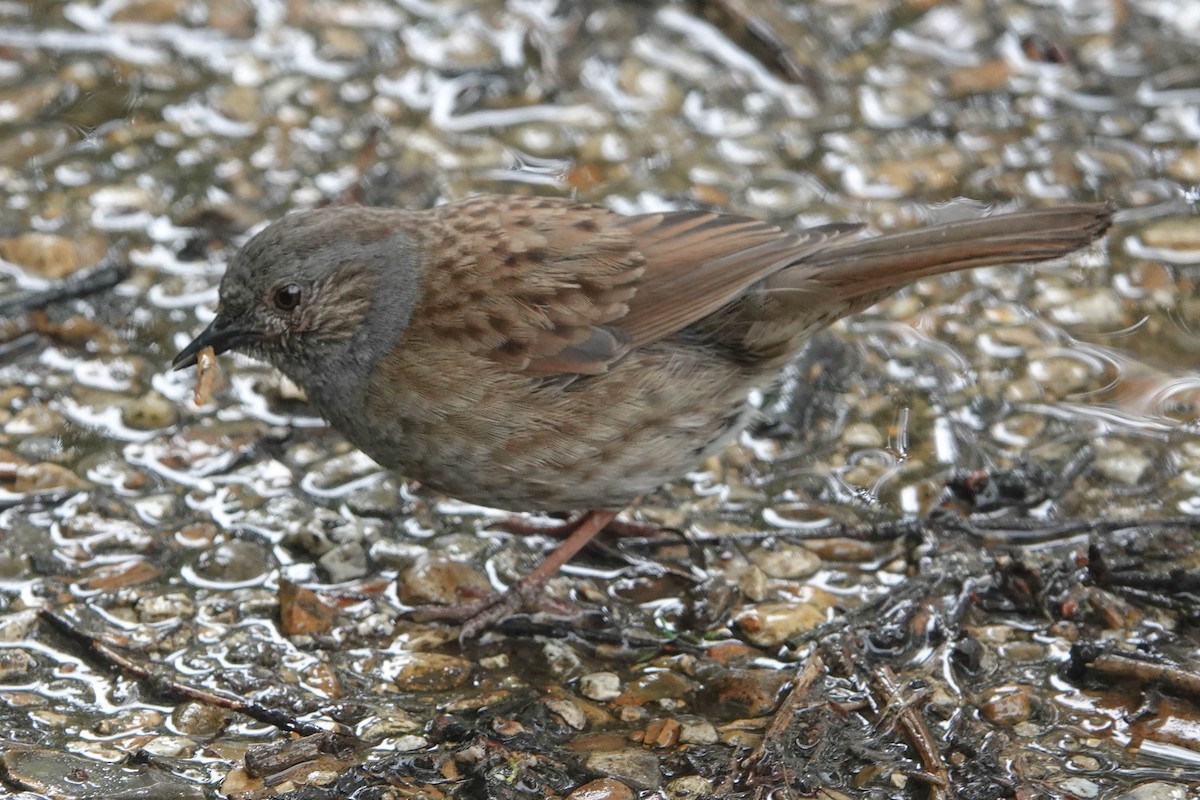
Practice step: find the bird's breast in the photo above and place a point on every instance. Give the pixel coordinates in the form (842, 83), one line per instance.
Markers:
(484, 434)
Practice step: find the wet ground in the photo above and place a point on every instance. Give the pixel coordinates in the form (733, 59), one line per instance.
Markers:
(957, 556)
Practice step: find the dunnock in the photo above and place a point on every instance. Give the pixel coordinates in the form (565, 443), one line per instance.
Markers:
(534, 353)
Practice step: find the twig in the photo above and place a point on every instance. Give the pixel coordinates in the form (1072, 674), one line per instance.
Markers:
(1092, 658)
(760, 29)
(162, 681)
(934, 773)
(97, 279)
(782, 719)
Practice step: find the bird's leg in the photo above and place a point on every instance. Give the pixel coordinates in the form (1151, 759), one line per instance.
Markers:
(476, 615)
(617, 528)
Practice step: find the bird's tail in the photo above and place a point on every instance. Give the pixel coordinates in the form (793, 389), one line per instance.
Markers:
(872, 267)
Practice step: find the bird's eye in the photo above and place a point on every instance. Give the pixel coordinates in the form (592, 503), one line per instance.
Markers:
(287, 297)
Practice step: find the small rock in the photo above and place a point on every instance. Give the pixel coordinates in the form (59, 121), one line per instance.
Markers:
(170, 747)
(409, 743)
(847, 550)
(1155, 790)
(1080, 787)
(129, 720)
(1099, 308)
(696, 730)
(751, 581)
(689, 787)
(862, 434)
(1007, 705)
(50, 256)
(234, 561)
(346, 562)
(570, 712)
(755, 691)
(561, 659)
(633, 715)
(600, 686)
(1173, 233)
(398, 722)
(149, 412)
(660, 685)
(302, 612)
(16, 627)
(1060, 375)
(436, 580)
(786, 562)
(160, 608)
(662, 733)
(35, 420)
(772, 624)
(638, 769)
(427, 672)
(602, 789)
(199, 719)
(1122, 463)
(46, 477)
(15, 664)
(54, 773)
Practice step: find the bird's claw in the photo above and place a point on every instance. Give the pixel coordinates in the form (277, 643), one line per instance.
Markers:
(478, 615)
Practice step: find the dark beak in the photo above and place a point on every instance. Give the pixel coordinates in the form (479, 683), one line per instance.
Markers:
(219, 335)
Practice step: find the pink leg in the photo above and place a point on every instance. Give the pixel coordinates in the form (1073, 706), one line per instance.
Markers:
(476, 615)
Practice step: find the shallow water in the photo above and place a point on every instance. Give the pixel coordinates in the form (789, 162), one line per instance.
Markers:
(158, 133)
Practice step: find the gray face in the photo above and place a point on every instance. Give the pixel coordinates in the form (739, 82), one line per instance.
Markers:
(317, 293)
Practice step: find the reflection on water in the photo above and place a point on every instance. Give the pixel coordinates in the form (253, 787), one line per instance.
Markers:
(162, 132)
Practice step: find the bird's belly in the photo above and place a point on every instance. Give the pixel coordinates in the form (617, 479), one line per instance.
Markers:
(514, 442)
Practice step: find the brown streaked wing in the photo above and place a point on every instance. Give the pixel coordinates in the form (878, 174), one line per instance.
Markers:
(699, 261)
(533, 283)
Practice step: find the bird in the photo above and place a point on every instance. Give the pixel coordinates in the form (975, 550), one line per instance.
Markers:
(536, 353)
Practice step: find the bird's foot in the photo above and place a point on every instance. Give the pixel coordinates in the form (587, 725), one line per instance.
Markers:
(478, 615)
(525, 594)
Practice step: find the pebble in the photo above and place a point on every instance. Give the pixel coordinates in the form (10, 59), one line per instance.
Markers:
(662, 733)
(16, 626)
(637, 769)
(689, 787)
(150, 412)
(773, 624)
(302, 612)
(1157, 790)
(785, 561)
(862, 434)
(602, 789)
(46, 477)
(393, 723)
(199, 719)
(658, 685)
(237, 561)
(847, 550)
(59, 774)
(563, 661)
(160, 608)
(1007, 705)
(697, 730)
(49, 256)
(440, 581)
(753, 691)
(1079, 787)
(427, 672)
(600, 686)
(1121, 462)
(345, 562)
(1098, 308)
(15, 664)
(569, 711)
